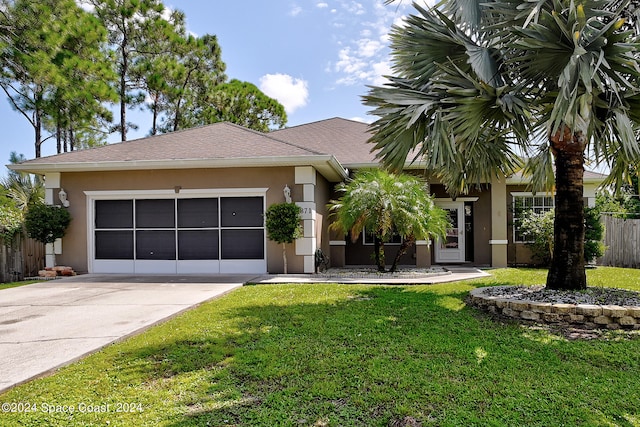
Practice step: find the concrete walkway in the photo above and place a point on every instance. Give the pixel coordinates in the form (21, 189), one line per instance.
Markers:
(48, 325)
(450, 274)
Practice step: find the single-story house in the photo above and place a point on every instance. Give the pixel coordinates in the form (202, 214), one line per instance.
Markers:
(193, 201)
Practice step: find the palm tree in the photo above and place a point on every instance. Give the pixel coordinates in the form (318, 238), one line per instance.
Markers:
(478, 86)
(385, 203)
(24, 189)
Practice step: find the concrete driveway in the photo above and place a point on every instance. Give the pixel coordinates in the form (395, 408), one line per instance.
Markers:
(48, 325)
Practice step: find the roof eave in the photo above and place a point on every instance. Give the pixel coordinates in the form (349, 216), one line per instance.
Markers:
(377, 164)
(327, 165)
(521, 180)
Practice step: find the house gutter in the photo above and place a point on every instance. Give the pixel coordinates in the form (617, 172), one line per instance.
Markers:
(327, 165)
(520, 180)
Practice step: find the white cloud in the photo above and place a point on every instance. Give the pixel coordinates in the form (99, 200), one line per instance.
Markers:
(292, 93)
(322, 5)
(359, 57)
(368, 48)
(363, 52)
(380, 70)
(425, 4)
(354, 7)
(351, 65)
(368, 120)
(400, 21)
(295, 10)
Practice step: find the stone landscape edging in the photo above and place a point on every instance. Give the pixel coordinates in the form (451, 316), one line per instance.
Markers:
(589, 316)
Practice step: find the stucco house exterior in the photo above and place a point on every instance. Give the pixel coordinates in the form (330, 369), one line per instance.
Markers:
(193, 201)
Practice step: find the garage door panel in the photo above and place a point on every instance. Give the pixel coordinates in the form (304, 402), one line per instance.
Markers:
(155, 267)
(198, 267)
(198, 213)
(155, 213)
(114, 244)
(156, 244)
(243, 266)
(109, 266)
(198, 244)
(242, 244)
(114, 214)
(241, 212)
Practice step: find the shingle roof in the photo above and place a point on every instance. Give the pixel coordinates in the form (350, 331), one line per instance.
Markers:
(345, 139)
(319, 143)
(216, 141)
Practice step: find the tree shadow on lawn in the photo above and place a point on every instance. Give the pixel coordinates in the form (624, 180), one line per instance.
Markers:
(377, 354)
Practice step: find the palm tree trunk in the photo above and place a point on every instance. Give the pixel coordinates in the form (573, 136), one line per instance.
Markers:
(567, 267)
(378, 248)
(406, 243)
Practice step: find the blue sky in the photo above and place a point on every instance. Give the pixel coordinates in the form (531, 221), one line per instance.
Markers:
(315, 56)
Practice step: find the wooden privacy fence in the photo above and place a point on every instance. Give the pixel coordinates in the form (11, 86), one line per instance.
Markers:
(622, 238)
(20, 258)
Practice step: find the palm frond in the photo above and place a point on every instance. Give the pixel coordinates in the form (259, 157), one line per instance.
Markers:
(539, 169)
(24, 189)
(475, 88)
(385, 203)
(468, 12)
(424, 41)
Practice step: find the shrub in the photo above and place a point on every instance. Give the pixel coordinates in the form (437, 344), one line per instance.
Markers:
(282, 221)
(11, 219)
(46, 223)
(594, 233)
(538, 229)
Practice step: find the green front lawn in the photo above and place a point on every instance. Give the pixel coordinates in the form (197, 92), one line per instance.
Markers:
(16, 284)
(347, 355)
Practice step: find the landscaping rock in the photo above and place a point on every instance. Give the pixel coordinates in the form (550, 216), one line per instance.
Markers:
(564, 308)
(589, 310)
(551, 317)
(530, 315)
(627, 321)
(47, 273)
(614, 311)
(519, 305)
(594, 308)
(59, 270)
(602, 320)
(576, 318)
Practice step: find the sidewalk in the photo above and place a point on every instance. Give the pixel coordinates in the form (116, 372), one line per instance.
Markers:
(351, 275)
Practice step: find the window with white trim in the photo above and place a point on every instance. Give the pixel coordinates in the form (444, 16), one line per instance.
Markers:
(525, 202)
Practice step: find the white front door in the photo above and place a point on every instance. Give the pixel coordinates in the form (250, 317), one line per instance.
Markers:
(452, 248)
